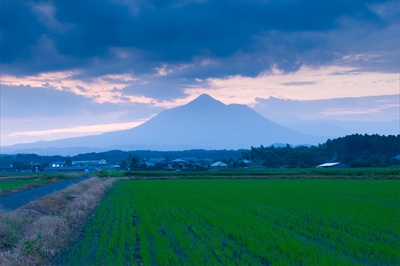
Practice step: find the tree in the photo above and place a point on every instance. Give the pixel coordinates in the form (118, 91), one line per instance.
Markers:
(68, 162)
(375, 161)
(123, 165)
(19, 166)
(134, 163)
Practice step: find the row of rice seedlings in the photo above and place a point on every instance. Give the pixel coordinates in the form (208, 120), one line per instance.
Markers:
(352, 227)
(261, 236)
(109, 237)
(243, 247)
(198, 222)
(152, 230)
(200, 242)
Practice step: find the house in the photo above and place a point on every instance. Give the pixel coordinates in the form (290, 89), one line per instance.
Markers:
(177, 163)
(328, 165)
(219, 164)
(36, 167)
(178, 160)
(244, 163)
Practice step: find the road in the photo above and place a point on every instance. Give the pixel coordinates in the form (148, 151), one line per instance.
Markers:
(15, 200)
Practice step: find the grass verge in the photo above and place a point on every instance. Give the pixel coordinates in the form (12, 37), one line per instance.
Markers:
(36, 232)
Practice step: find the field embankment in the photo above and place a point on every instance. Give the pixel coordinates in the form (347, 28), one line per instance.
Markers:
(244, 221)
(36, 232)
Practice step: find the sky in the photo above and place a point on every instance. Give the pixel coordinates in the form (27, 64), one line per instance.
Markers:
(73, 68)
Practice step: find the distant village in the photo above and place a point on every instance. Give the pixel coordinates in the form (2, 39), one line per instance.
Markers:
(176, 164)
(350, 151)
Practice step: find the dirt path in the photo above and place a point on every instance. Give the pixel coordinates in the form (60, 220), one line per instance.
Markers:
(15, 200)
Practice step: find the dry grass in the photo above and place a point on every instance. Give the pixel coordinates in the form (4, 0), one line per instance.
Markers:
(36, 232)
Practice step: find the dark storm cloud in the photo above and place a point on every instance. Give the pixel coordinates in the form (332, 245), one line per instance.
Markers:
(239, 37)
(20, 30)
(171, 34)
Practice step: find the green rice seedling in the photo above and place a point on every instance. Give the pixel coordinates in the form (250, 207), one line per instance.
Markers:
(246, 221)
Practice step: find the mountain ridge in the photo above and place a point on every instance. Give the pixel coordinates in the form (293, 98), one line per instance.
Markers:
(203, 123)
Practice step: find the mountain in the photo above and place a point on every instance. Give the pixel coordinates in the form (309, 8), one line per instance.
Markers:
(203, 123)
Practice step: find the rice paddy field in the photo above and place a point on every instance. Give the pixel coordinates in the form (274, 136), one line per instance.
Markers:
(9, 185)
(243, 222)
(10, 182)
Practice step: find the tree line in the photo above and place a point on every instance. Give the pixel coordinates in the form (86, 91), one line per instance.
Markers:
(353, 150)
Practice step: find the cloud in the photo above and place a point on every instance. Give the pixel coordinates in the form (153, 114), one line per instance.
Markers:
(298, 83)
(162, 49)
(26, 101)
(119, 61)
(93, 129)
(371, 108)
(307, 83)
(33, 113)
(101, 89)
(238, 37)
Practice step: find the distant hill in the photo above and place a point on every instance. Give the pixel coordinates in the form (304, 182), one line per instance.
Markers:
(203, 123)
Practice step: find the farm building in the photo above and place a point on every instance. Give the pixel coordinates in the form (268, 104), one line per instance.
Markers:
(91, 162)
(329, 165)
